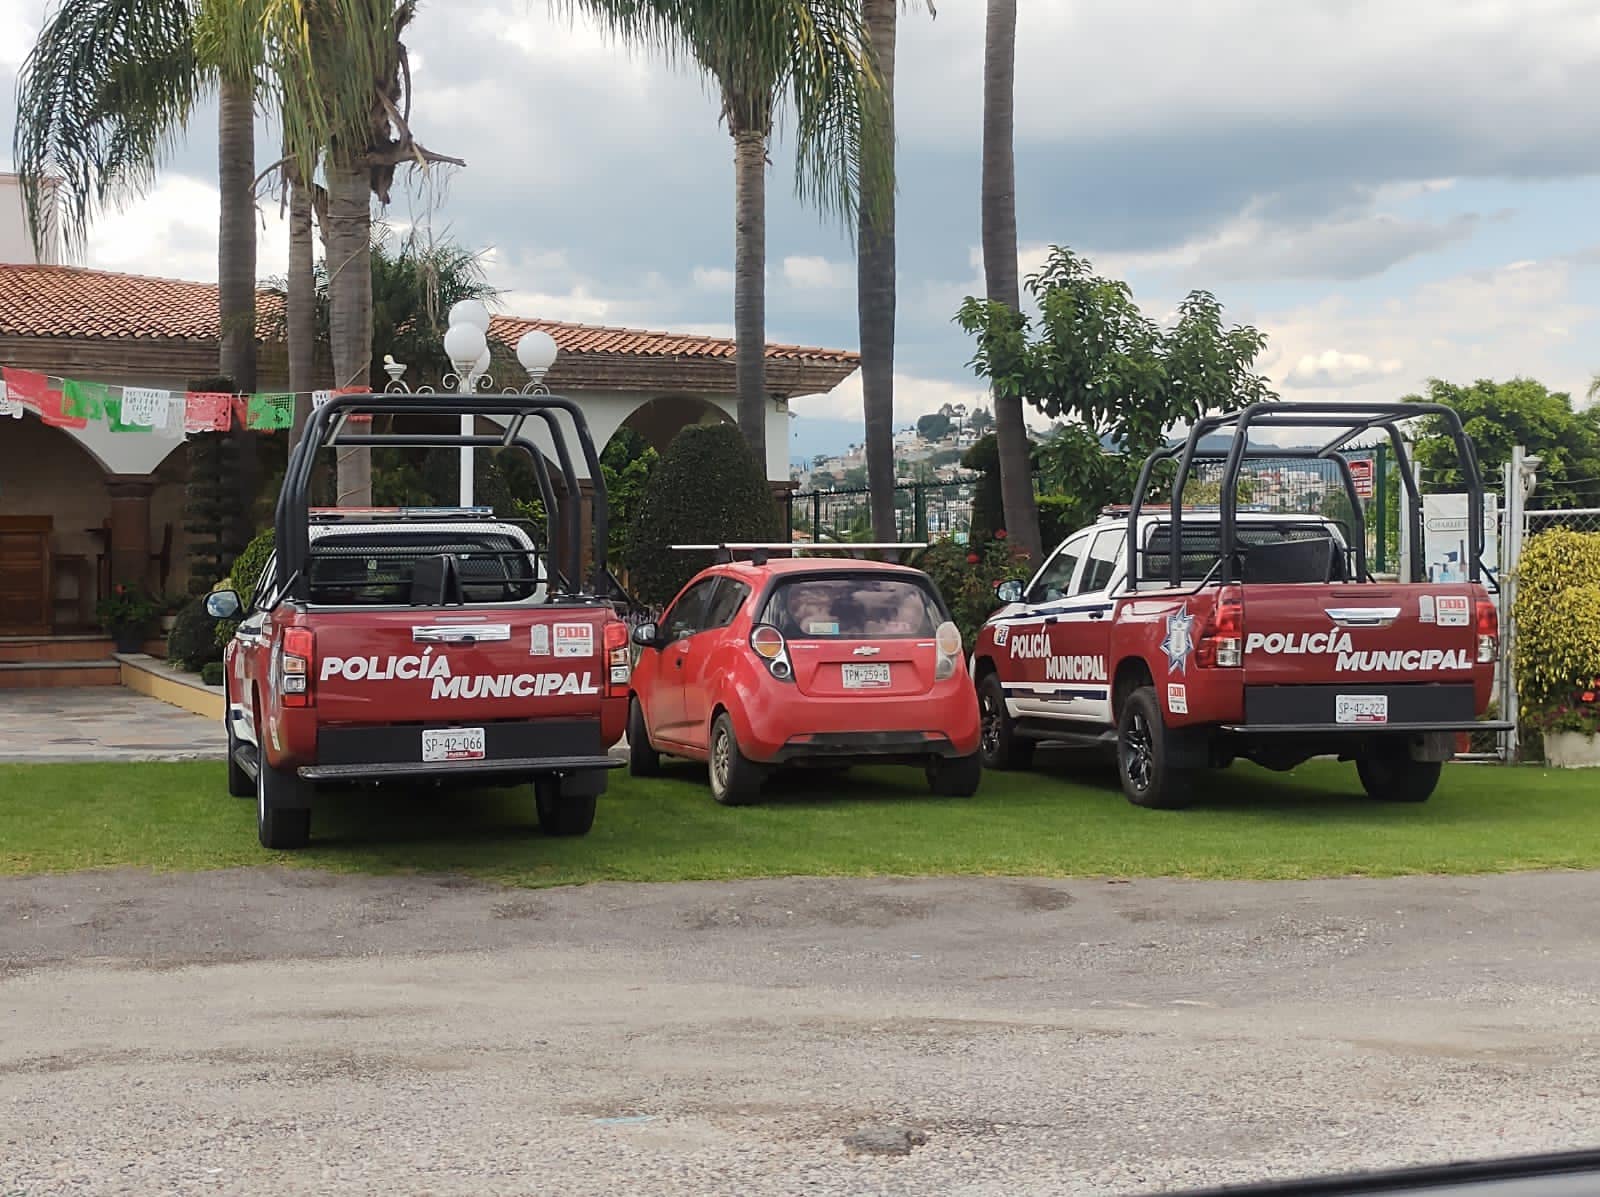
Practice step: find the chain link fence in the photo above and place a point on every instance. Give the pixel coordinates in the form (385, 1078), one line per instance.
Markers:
(1576, 519)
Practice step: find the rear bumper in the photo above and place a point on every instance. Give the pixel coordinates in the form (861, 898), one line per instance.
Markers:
(511, 749)
(1366, 729)
(849, 748)
(775, 722)
(1410, 706)
(401, 770)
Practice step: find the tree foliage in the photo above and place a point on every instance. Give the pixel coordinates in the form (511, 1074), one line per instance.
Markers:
(708, 489)
(1500, 415)
(934, 426)
(627, 465)
(1557, 613)
(1120, 381)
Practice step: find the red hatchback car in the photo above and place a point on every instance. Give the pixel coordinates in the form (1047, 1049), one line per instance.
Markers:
(759, 664)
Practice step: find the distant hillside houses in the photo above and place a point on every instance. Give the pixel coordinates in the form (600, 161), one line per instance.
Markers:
(928, 451)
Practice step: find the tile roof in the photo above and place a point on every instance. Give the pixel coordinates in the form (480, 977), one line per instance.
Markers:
(70, 301)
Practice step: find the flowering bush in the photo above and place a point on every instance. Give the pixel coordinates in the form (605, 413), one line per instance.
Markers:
(126, 609)
(1579, 713)
(967, 576)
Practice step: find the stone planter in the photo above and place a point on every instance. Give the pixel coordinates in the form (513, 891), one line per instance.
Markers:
(167, 624)
(1572, 750)
(128, 640)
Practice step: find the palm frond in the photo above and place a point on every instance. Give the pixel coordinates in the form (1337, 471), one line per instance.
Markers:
(100, 101)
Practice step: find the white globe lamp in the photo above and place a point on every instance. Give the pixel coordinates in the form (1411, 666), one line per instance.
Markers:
(464, 344)
(470, 311)
(536, 351)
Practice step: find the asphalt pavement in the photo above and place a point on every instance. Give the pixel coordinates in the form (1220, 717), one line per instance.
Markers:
(287, 1031)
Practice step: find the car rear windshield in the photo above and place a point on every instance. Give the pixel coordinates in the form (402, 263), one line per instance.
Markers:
(382, 569)
(864, 606)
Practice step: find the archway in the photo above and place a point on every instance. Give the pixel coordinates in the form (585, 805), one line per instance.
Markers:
(658, 420)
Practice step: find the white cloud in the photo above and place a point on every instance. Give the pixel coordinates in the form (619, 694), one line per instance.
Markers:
(816, 273)
(913, 397)
(713, 278)
(172, 233)
(1330, 368)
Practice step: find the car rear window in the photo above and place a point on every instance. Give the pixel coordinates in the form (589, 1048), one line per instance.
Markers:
(852, 606)
(379, 569)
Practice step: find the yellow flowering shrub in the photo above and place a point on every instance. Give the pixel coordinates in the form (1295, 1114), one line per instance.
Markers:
(1557, 613)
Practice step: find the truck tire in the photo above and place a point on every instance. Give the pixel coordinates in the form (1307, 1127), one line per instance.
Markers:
(283, 810)
(1148, 777)
(562, 814)
(1002, 748)
(239, 783)
(955, 777)
(736, 780)
(1390, 775)
(643, 759)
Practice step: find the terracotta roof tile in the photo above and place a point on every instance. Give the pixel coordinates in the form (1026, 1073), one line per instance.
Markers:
(70, 301)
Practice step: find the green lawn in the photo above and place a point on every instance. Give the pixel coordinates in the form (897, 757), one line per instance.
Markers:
(1067, 820)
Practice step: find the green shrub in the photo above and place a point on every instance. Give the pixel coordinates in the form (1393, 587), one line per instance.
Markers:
(247, 569)
(988, 504)
(193, 639)
(967, 576)
(211, 673)
(1557, 612)
(708, 489)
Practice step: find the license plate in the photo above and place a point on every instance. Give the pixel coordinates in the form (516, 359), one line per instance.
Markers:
(1361, 708)
(865, 677)
(452, 744)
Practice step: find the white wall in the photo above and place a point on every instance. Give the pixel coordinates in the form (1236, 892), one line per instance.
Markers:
(15, 244)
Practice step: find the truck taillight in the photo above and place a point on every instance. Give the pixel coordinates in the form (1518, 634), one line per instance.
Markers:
(1221, 640)
(298, 651)
(618, 663)
(1488, 632)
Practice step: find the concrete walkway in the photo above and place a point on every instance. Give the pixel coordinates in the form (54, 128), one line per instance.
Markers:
(101, 723)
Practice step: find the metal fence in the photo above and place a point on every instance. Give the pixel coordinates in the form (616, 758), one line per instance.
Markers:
(1577, 519)
(923, 511)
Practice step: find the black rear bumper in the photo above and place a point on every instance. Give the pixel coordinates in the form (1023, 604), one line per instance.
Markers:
(865, 748)
(1412, 707)
(511, 749)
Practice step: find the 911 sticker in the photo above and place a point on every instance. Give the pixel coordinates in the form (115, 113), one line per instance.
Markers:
(574, 639)
(1177, 698)
(1452, 610)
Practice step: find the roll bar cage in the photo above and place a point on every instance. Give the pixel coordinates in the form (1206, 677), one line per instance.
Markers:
(1351, 420)
(332, 426)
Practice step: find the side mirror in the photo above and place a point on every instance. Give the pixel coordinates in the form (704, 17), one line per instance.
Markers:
(223, 604)
(1009, 592)
(645, 635)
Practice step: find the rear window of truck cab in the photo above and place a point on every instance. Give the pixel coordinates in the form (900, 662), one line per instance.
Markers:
(1202, 546)
(845, 606)
(381, 568)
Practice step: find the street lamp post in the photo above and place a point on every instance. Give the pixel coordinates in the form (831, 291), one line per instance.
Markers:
(466, 344)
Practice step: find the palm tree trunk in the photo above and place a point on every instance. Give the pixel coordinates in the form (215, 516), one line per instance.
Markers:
(1000, 259)
(350, 305)
(301, 303)
(750, 288)
(875, 283)
(236, 280)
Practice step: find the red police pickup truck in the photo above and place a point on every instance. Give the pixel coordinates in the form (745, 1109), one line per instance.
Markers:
(1263, 636)
(426, 647)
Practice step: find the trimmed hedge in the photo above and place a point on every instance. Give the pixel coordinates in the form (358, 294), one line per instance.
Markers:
(192, 643)
(708, 489)
(1557, 613)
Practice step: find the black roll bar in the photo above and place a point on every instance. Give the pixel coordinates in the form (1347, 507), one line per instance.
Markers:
(329, 427)
(1353, 420)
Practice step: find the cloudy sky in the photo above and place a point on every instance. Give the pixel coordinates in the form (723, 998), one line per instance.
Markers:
(1391, 191)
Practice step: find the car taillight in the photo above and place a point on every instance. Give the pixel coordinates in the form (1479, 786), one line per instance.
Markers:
(948, 641)
(768, 644)
(618, 659)
(1488, 632)
(297, 652)
(1221, 641)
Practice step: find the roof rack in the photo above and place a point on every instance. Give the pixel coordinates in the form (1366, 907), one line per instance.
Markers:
(759, 550)
(321, 514)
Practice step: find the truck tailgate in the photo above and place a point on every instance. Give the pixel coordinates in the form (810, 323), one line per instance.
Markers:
(442, 668)
(1307, 634)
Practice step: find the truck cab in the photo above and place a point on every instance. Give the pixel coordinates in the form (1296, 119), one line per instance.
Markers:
(420, 646)
(1184, 638)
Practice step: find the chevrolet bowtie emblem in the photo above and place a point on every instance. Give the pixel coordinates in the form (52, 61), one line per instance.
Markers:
(866, 650)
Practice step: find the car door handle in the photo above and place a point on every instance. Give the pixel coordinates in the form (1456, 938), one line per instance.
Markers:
(1097, 615)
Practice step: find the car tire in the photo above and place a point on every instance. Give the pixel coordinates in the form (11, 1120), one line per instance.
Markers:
(1390, 775)
(955, 777)
(643, 759)
(283, 808)
(240, 783)
(1144, 765)
(562, 814)
(736, 780)
(1002, 748)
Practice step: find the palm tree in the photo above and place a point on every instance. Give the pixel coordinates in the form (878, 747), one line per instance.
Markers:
(875, 275)
(344, 95)
(1000, 260)
(811, 54)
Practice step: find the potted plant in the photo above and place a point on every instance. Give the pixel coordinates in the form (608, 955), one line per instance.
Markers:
(1569, 730)
(127, 614)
